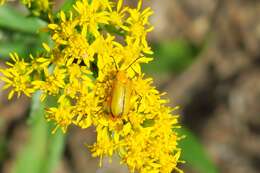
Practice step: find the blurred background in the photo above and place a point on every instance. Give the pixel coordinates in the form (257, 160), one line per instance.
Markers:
(207, 58)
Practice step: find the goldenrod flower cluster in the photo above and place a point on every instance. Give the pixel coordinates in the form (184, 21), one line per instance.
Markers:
(37, 7)
(93, 43)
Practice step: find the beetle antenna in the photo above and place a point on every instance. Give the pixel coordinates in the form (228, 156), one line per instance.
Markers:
(117, 69)
(134, 71)
(133, 62)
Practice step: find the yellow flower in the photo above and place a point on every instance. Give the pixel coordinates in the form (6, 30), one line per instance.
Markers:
(38, 6)
(63, 115)
(27, 2)
(64, 29)
(90, 15)
(139, 26)
(53, 83)
(17, 77)
(2, 2)
(104, 145)
(78, 81)
(39, 63)
(146, 148)
(77, 47)
(117, 16)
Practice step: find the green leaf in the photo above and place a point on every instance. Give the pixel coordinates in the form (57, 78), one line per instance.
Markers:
(194, 154)
(56, 142)
(32, 156)
(171, 56)
(3, 142)
(113, 30)
(3, 149)
(54, 150)
(7, 47)
(43, 150)
(23, 44)
(67, 5)
(12, 19)
(22, 47)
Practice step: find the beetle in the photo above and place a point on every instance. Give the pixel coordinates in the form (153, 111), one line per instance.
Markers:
(121, 92)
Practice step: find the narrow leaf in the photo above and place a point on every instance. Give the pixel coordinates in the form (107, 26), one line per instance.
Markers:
(43, 150)
(194, 153)
(32, 155)
(172, 56)
(67, 5)
(7, 47)
(12, 19)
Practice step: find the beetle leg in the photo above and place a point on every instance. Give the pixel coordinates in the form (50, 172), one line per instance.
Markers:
(99, 110)
(140, 99)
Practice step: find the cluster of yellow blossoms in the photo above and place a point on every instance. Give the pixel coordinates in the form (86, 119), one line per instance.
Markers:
(37, 7)
(92, 43)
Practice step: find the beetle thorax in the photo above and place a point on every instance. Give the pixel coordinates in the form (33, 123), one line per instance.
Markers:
(122, 76)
